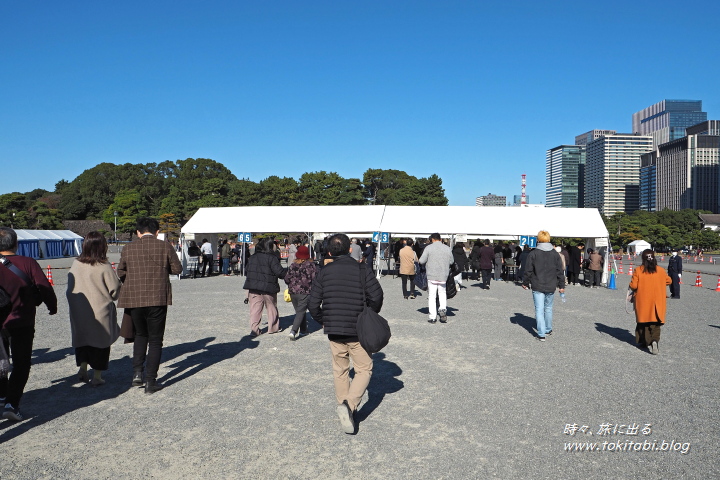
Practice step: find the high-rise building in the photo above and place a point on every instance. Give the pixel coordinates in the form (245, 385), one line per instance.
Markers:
(491, 200)
(564, 176)
(688, 170)
(517, 200)
(648, 175)
(588, 137)
(612, 172)
(667, 120)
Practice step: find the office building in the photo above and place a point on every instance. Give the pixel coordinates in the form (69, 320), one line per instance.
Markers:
(588, 137)
(491, 200)
(564, 176)
(688, 170)
(648, 175)
(667, 120)
(612, 172)
(517, 200)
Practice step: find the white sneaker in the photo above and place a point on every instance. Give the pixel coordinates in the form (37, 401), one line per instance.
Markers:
(11, 413)
(293, 335)
(346, 418)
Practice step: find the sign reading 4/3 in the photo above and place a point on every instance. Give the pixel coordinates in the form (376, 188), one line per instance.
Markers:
(528, 240)
(382, 237)
(245, 237)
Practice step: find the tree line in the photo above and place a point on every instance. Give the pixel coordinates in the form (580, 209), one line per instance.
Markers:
(663, 230)
(174, 191)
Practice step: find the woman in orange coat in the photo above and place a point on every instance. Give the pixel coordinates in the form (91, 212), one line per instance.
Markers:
(649, 282)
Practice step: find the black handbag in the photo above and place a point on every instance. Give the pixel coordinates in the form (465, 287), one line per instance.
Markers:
(373, 331)
(450, 288)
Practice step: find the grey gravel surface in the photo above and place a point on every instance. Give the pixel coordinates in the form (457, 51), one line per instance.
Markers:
(478, 397)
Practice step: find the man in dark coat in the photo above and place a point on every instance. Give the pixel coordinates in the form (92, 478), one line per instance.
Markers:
(487, 256)
(18, 328)
(336, 300)
(675, 273)
(574, 267)
(144, 268)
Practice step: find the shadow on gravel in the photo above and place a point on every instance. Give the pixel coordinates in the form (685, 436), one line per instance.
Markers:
(44, 355)
(450, 311)
(620, 333)
(714, 326)
(287, 321)
(206, 356)
(528, 323)
(383, 382)
(66, 395)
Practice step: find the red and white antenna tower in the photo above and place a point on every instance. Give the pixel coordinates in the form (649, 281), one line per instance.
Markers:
(523, 198)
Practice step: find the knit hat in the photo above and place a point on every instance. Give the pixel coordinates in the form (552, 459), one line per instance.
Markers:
(302, 253)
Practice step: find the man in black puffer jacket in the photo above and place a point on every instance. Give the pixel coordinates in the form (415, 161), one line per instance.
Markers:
(263, 272)
(336, 300)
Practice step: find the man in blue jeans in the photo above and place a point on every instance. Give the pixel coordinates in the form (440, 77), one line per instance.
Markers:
(544, 273)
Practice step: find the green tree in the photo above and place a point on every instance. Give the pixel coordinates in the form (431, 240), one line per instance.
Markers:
(329, 188)
(129, 205)
(278, 191)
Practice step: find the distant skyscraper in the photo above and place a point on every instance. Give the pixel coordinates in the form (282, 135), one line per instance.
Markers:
(588, 137)
(667, 120)
(491, 200)
(564, 176)
(688, 170)
(648, 174)
(517, 199)
(612, 172)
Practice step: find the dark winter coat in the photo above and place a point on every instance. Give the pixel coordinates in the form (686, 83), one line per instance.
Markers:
(543, 269)
(475, 257)
(263, 271)
(460, 258)
(487, 257)
(336, 296)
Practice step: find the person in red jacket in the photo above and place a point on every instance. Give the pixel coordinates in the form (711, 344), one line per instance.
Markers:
(23, 279)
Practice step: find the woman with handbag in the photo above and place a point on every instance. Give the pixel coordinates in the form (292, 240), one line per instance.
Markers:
(649, 282)
(93, 287)
(263, 272)
(299, 278)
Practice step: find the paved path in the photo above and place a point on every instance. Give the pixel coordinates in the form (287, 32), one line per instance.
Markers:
(478, 397)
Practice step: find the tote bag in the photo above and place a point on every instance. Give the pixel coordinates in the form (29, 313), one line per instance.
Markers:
(373, 331)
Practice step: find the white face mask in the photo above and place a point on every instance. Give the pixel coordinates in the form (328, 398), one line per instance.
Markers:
(557, 249)
(674, 254)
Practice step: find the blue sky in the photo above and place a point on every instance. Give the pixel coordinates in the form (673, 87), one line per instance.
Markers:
(475, 92)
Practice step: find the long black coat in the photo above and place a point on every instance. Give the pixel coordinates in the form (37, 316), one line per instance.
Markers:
(575, 260)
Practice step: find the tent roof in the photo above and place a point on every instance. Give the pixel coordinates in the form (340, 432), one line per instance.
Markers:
(514, 221)
(46, 234)
(639, 242)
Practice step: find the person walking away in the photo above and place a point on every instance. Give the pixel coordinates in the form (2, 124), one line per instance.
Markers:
(336, 301)
(649, 283)
(355, 250)
(437, 259)
(26, 285)
(145, 267)
(299, 278)
(474, 259)
(523, 258)
(207, 252)
(292, 250)
(93, 287)
(544, 273)
(461, 260)
(595, 267)
(263, 272)
(225, 254)
(408, 258)
(369, 255)
(498, 261)
(487, 257)
(194, 254)
(675, 271)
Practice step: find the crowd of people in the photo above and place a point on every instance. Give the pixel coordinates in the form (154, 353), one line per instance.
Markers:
(332, 289)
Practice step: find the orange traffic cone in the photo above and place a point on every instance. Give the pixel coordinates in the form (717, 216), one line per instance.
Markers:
(113, 266)
(630, 272)
(698, 280)
(49, 275)
(621, 269)
(718, 285)
(662, 258)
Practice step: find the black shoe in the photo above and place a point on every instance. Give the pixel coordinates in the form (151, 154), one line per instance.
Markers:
(549, 333)
(137, 380)
(443, 316)
(152, 386)
(431, 320)
(542, 339)
(405, 297)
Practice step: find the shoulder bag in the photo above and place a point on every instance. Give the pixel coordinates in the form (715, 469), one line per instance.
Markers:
(373, 331)
(36, 297)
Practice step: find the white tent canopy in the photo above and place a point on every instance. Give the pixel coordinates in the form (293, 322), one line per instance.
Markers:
(476, 221)
(638, 246)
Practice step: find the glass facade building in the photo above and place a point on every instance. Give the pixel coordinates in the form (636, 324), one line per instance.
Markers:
(667, 120)
(564, 176)
(491, 200)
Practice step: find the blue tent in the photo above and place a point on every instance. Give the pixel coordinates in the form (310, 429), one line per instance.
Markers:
(28, 245)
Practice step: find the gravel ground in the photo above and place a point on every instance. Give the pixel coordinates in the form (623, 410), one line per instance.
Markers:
(478, 397)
